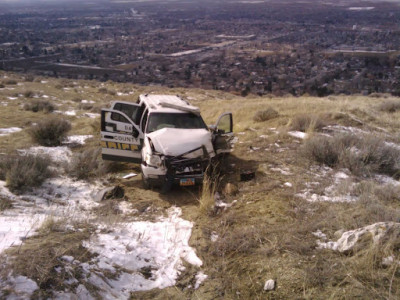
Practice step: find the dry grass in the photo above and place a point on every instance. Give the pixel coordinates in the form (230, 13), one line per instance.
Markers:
(207, 200)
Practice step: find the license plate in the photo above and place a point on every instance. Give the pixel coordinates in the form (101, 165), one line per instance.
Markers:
(187, 181)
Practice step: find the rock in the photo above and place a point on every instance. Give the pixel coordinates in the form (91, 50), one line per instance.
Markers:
(230, 189)
(115, 192)
(269, 285)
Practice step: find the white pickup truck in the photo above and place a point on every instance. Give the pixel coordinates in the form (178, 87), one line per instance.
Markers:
(167, 136)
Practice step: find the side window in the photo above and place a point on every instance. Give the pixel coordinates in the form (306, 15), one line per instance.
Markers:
(119, 118)
(144, 120)
(225, 124)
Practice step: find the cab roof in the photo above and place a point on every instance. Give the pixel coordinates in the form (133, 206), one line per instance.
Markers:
(167, 104)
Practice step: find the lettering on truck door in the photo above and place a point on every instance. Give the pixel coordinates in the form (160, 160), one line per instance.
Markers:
(121, 139)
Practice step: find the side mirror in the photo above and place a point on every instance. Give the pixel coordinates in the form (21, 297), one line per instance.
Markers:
(135, 133)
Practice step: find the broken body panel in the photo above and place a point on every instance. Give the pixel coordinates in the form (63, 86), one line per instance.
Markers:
(169, 150)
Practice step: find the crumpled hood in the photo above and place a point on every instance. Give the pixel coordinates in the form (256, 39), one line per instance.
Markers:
(176, 141)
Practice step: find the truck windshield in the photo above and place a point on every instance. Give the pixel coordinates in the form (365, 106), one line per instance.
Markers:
(159, 121)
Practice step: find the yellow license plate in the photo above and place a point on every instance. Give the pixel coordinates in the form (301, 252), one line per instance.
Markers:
(187, 182)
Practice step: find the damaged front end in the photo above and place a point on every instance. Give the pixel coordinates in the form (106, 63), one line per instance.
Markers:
(186, 169)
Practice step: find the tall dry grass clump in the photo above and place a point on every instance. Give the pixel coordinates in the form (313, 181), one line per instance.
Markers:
(207, 198)
(24, 172)
(307, 123)
(50, 132)
(265, 115)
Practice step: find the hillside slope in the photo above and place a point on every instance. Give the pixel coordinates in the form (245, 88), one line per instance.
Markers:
(320, 218)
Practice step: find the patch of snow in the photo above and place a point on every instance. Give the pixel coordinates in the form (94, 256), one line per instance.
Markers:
(343, 129)
(4, 103)
(264, 136)
(45, 96)
(22, 287)
(56, 198)
(341, 190)
(283, 171)
(92, 115)
(87, 101)
(10, 130)
(159, 246)
(78, 139)
(16, 227)
(200, 277)
(130, 175)
(319, 234)
(43, 81)
(221, 204)
(383, 179)
(125, 208)
(12, 98)
(288, 184)
(298, 134)
(61, 154)
(214, 237)
(70, 113)
(360, 8)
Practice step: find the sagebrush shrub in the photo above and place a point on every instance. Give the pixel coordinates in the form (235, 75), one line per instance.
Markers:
(362, 155)
(25, 171)
(265, 115)
(50, 132)
(39, 105)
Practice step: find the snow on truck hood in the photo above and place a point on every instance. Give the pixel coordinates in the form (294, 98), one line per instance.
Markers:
(176, 141)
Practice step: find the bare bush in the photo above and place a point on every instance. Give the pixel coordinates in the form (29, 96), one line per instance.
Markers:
(50, 132)
(390, 106)
(306, 122)
(265, 115)
(24, 172)
(29, 94)
(39, 105)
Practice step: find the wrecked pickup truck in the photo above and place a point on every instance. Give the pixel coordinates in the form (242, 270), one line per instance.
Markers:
(167, 136)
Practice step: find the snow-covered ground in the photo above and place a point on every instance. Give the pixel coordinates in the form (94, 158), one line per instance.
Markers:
(8, 131)
(139, 255)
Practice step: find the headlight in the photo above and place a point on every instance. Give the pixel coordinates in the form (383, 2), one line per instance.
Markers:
(153, 160)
